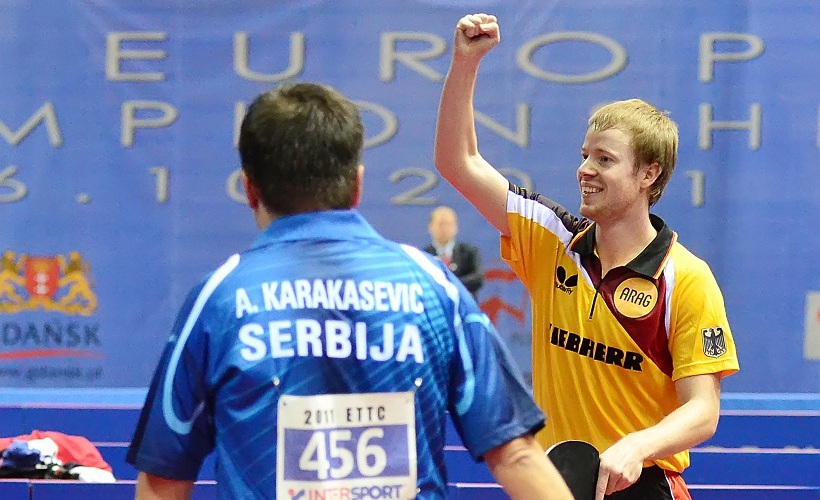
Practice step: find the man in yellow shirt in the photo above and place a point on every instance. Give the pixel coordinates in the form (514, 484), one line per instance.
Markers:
(630, 335)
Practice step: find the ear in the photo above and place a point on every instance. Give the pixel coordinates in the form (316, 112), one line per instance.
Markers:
(359, 187)
(650, 174)
(250, 192)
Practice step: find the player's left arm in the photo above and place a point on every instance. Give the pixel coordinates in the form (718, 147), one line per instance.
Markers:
(175, 431)
(490, 403)
(703, 352)
(494, 413)
(151, 487)
(693, 422)
(524, 471)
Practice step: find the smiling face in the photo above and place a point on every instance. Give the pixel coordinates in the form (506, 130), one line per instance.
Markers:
(611, 187)
(652, 135)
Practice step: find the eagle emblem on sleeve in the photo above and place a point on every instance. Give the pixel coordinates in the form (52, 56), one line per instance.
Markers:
(714, 342)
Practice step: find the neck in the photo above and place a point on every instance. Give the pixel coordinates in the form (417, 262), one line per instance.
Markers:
(263, 217)
(619, 242)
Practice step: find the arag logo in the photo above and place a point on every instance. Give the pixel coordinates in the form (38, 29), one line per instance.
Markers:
(564, 283)
(60, 283)
(635, 297)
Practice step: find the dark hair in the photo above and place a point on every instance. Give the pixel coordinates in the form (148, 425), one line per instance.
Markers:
(300, 146)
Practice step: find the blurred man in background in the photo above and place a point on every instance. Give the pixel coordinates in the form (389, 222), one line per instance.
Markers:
(461, 258)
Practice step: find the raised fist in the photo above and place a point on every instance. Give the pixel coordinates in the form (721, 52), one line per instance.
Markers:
(476, 34)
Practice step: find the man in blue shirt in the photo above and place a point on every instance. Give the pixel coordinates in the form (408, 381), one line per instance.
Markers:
(320, 363)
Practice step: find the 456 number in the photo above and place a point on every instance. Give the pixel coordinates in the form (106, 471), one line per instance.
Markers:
(367, 457)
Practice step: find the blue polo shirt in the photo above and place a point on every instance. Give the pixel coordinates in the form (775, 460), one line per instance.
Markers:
(323, 305)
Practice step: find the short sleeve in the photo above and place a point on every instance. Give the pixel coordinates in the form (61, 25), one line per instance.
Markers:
(540, 230)
(175, 433)
(492, 405)
(700, 340)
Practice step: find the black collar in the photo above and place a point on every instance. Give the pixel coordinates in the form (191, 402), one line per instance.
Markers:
(649, 262)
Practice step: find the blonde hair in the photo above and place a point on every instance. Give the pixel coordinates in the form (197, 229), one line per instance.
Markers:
(654, 136)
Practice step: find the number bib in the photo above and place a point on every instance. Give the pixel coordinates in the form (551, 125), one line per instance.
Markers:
(346, 446)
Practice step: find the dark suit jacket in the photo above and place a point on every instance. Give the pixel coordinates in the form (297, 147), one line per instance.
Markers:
(466, 264)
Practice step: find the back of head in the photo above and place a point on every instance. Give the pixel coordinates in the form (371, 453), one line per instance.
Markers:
(300, 146)
(654, 136)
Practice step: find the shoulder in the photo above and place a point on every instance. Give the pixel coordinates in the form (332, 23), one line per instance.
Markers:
(691, 275)
(686, 263)
(434, 272)
(425, 259)
(213, 283)
(543, 211)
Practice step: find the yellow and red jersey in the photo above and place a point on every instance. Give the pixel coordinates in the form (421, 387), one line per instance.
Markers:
(606, 351)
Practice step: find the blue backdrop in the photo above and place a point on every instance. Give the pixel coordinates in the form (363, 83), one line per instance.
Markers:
(118, 168)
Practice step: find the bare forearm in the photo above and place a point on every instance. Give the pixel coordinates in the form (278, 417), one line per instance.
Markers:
(684, 428)
(151, 487)
(692, 423)
(457, 157)
(521, 468)
(456, 150)
(456, 138)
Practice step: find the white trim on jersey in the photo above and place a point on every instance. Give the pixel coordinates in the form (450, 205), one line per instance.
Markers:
(669, 275)
(549, 220)
(174, 422)
(423, 260)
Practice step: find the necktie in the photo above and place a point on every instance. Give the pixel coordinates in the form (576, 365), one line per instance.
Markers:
(446, 259)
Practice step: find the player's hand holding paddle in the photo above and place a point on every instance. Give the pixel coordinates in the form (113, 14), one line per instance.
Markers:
(578, 464)
(621, 466)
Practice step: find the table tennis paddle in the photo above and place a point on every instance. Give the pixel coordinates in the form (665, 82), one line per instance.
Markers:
(577, 462)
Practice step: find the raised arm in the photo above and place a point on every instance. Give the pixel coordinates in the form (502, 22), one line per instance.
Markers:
(456, 150)
(524, 472)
